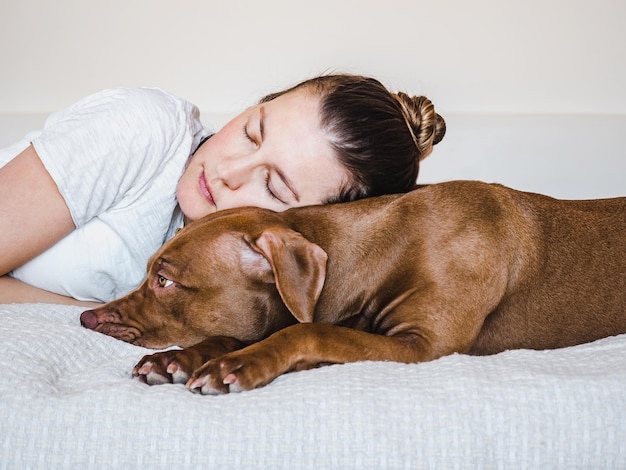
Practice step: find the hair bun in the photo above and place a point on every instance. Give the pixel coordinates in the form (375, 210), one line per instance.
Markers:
(427, 128)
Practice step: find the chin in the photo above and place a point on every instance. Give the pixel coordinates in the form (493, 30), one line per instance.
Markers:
(192, 205)
(196, 213)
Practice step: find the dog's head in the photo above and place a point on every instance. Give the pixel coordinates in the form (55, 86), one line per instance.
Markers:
(241, 273)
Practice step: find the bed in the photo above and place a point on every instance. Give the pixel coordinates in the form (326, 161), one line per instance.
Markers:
(68, 400)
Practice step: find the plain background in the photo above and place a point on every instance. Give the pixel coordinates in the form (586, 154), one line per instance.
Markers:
(480, 56)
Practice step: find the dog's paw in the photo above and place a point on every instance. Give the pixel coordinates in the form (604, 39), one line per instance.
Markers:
(174, 366)
(231, 373)
(152, 373)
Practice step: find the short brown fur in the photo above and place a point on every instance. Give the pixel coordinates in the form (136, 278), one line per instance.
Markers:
(463, 267)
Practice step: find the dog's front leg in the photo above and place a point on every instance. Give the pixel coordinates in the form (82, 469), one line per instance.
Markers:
(299, 347)
(177, 365)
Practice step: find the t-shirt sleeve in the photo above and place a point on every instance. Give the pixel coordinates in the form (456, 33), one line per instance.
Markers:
(104, 150)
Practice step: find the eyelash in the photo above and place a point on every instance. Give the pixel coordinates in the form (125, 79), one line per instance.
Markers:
(267, 188)
(267, 176)
(247, 135)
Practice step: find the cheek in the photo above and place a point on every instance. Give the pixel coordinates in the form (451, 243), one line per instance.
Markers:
(220, 145)
(184, 190)
(224, 138)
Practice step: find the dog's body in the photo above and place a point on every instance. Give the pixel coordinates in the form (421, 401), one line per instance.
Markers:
(454, 267)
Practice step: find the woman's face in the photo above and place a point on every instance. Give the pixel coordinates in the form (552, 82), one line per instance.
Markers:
(274, 155)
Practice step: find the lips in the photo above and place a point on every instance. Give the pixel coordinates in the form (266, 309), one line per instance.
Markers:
(204, 189)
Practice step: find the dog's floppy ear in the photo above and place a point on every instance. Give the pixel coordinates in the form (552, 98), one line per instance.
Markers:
(299, 268)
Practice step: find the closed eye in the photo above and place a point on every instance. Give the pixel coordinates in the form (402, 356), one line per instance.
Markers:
(247, 134)
(269, 189)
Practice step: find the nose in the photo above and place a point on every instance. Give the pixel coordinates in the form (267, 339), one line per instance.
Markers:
(89, 319)
(234, 172)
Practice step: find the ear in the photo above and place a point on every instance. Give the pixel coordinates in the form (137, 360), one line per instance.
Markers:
(254, 263)
(299, 268)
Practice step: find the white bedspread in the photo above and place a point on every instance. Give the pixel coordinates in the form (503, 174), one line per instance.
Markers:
(67, 401)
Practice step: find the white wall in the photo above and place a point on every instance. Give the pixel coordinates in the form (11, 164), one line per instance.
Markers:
(480, 56)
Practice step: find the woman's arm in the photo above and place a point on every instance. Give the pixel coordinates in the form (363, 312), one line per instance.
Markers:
(14, 291)
(33, 214)
(33, 217)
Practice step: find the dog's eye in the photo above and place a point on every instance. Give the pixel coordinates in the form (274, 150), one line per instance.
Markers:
(164, 282)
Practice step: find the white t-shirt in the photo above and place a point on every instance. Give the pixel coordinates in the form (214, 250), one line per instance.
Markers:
(116, 158)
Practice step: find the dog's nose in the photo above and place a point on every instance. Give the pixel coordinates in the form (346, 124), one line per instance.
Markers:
(89, 319)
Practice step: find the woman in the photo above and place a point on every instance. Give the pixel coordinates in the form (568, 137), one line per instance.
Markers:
(85, 202)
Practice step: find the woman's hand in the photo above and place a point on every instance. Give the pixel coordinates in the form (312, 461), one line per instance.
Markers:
(33, 214)
(14, 291)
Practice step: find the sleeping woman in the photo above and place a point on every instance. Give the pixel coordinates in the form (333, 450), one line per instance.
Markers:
(87, 200)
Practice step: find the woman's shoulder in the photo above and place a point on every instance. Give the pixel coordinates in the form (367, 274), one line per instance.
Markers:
(141, 101)
(123, 121)
(106, 149)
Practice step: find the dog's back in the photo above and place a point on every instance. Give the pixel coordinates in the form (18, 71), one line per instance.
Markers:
(557, 268)
(574, 290)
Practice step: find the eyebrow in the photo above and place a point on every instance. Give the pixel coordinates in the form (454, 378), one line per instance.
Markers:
(262, 122)
(278, 171)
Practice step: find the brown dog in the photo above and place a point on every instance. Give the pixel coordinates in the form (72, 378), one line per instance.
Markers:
(462, 267)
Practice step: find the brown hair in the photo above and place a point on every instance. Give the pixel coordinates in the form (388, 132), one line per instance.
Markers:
(379, 136)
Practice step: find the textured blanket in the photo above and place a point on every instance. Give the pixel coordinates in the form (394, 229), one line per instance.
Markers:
(67, 400)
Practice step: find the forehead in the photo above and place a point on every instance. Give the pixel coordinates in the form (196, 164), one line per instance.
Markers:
(198, 255)
(298, 145)
(217, 232)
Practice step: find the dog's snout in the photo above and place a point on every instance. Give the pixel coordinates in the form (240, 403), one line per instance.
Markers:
(89, 319)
